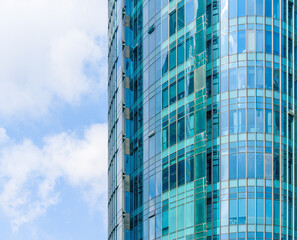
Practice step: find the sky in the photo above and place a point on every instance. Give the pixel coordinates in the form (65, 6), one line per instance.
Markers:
(53, 119)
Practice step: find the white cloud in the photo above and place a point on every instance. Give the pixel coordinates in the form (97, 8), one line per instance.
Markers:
(29, 174)
(50, 49)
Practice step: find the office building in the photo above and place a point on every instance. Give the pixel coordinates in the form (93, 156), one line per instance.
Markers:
(202, 119)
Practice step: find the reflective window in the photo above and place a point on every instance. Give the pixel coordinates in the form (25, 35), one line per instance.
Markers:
(189, 12)
(172, 23)
(180, 18)
(232, 43)
(241, 42)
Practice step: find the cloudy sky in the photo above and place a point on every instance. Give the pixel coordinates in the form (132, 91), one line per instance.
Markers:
(53, 115)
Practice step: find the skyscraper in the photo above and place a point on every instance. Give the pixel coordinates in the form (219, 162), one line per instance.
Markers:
(202, 124)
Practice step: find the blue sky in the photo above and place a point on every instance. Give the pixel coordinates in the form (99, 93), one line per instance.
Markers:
(53, 119)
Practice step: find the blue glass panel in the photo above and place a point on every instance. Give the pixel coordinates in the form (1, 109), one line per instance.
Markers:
(224, 81)
(224, 45)
(259, 7)
(232, 8)
(241, 165)
(232, 79)
(275, 43)
(189, 12)
(224, 168)
(241, 42)
(241, 120)
(224, 123)
(250, 7)
(250, 120)
(268, 78)
(268, 8)
(268, 42)
(250, 77)
(242, 211)
(233, 167)
(259, 165)
(268, 166)
(251, 210)
(276, 9)
(241, 9)
(251, 165)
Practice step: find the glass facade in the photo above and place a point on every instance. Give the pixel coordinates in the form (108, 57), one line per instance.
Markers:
(202, 124)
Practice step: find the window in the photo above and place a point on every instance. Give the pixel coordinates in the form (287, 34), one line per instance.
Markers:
(259, 41)
(165, 138)
(189, 48)
(190, 169)
(181, 173)
(241, 121)
(180, 18)
(268, 78)
(268, 121)
(259, 76)
(241, 42)
(172, 93)
(173, 176)
(268, 166)
(172, 58)
(284, 81)
(190, 83)
(232, 79)
(260, 211)
(189, 12)
(233, 212)
(241, 78)
(232, 8)
(284, 46)
(165, 98)
(259, 7)
(165, 180)
(180, 88)
(181, 129)
(250, 77)
(259, 120)
(251, 165)
(276, 122)
(224, 123)
(233, 167)
(232, 122)
(224, 45)
(180, 53)
(250, 120)
(232, 43)
(152, 107)
(268, 42)
(241, 165)
(224, 81)
(251, 40)
(172, 133)
(251, 210)
(241, 8)
(268, 8)
(190, 126)
(275, 43)
(224, 10)
(165, 29)
(172, 23)
(276, 80)
(164, 63)
(241, 211)
(250, 7)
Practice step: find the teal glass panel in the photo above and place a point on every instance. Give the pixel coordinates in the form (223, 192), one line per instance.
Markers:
(180, 17)
(181, 217)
